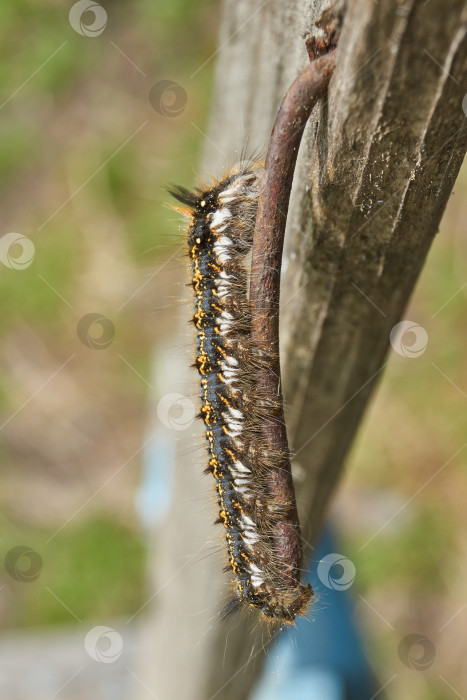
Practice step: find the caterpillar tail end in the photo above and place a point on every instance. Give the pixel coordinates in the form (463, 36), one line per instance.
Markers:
(282, 609)
(288, 605)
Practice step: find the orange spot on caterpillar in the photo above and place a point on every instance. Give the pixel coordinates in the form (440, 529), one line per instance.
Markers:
(226, 402)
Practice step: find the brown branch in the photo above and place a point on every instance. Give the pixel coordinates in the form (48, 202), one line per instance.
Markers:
(268, 244)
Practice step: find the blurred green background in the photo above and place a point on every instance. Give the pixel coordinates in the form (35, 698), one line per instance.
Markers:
(84, 160)
(84, 163)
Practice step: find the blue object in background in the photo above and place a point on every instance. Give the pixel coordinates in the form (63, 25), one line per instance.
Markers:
(321, 658)
(154, 495)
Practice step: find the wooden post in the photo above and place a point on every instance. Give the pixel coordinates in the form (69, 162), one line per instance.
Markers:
(377, 164)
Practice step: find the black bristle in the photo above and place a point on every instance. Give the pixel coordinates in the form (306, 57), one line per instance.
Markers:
(189, 199)
(232, 607)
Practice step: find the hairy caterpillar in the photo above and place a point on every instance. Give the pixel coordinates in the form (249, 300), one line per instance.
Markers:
(220, 234)
(237, 354)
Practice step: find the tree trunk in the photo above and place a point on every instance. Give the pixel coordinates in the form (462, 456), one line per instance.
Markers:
(377, 164)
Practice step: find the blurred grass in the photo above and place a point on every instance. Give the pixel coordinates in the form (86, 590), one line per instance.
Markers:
(416, 424)
(411, 560)
(16, 149)
(69, 104)
(97, 569)
(25, 295)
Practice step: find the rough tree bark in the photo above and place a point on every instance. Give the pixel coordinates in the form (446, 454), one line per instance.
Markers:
(377, 164)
